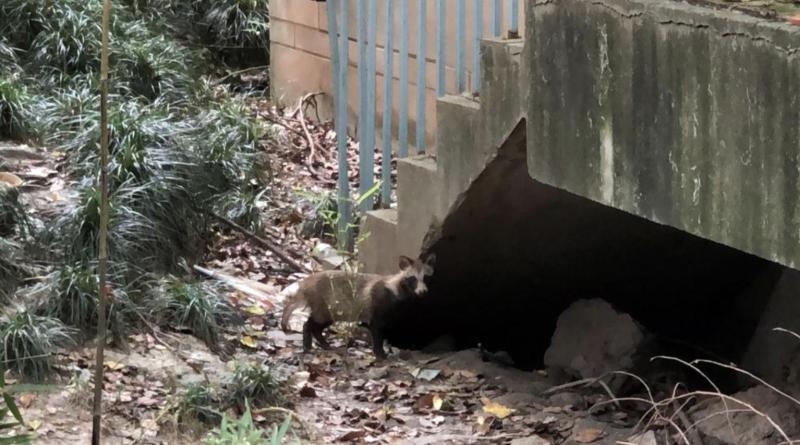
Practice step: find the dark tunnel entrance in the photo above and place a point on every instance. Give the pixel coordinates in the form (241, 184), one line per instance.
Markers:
(516, 253)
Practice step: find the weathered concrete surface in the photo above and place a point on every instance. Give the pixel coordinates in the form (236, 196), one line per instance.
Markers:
(380, 253)
(469, 134)
(680, 114)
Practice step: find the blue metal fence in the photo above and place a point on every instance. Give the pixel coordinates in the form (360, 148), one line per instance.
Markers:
(367, 44)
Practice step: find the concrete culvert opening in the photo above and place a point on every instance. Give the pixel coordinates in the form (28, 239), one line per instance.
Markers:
(516, 253)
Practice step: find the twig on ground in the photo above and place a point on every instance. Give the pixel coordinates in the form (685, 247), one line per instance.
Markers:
(312, 147)
(283, 124)
(786, 331)
(236, 73)
(585, 383)
(692, 433)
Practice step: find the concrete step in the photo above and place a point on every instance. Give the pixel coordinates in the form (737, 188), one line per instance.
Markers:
(377, 251)
(419, 201)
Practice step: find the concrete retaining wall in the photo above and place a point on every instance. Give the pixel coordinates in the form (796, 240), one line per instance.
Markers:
(683, 115)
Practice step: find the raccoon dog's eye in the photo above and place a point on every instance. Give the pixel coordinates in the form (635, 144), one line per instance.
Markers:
(411, 282)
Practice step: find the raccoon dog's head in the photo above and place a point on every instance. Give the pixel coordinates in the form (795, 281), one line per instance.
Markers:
(414, 273)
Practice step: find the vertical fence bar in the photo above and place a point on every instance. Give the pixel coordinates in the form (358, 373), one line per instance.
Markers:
(495, 18)
(477, 33)
(421, 65)
(367, 149)
(386, 134)
(441, 63)
(372, 25)
(363, 107)
(403, 124)
(344, 205)
(460, 25)
(513, 27)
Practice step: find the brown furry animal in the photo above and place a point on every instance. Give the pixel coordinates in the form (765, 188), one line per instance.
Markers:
(369, 299)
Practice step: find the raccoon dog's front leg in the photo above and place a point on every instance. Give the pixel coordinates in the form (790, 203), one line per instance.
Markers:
(377, 341)
(313, 329)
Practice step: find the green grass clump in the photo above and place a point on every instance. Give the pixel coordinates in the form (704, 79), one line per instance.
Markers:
(14, 105)
(236, 23)
(73, 299)
(198, 404)
(68, 36)
(12, 213)
(28, 342)
(254, 383)
(195, 306)
(152, 67)
(10, 273)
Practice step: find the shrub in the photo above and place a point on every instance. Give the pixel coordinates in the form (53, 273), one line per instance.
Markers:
(195, 306)
(73, 298)
(10, 273)
(254, 383)
(29, 342)
(12, 213)
(14, 103)
(236, 23)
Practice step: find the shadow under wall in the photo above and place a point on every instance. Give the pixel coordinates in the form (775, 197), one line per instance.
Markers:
(515, 253)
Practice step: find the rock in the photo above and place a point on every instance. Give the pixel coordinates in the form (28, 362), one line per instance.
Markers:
(745, 427)
(592, 339)
(572, 399)
(648, 438)
(378, 373)
(532, 440)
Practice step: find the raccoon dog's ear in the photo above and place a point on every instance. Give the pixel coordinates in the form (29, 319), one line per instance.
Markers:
(405, 262)
(430, 260)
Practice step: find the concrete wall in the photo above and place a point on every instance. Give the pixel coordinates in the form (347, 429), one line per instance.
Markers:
(683, 115)
(300, 57)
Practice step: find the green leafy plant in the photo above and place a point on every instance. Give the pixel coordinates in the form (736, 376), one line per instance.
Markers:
(12, 213)
(14, 103)
(68, 37)
(254, 383)
(244, 431)
(237, 432)
(197, 405)
(73, 298)
(150, 65)
(10, 273)
(29, 342)
(236, 23)
(193, 305)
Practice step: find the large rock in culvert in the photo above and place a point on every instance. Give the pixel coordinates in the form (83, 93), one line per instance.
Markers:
(592, 339)
(747, 427)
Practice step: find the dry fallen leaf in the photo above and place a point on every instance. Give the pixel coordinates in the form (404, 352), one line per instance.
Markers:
(437, 402)
(588, 435)
(25, 400)
(307, 391)
(424, 403)
(255, 310)
(114, 366)
(496, 409)
(34, 424)
(10, 179)
(351, 436)
(248, 341)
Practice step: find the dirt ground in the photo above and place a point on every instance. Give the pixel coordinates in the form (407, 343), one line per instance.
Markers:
(341, 395)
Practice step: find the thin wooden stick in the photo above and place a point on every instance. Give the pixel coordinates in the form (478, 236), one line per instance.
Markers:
(102, 241)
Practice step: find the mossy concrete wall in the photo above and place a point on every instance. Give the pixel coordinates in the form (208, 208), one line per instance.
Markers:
(680, 114)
